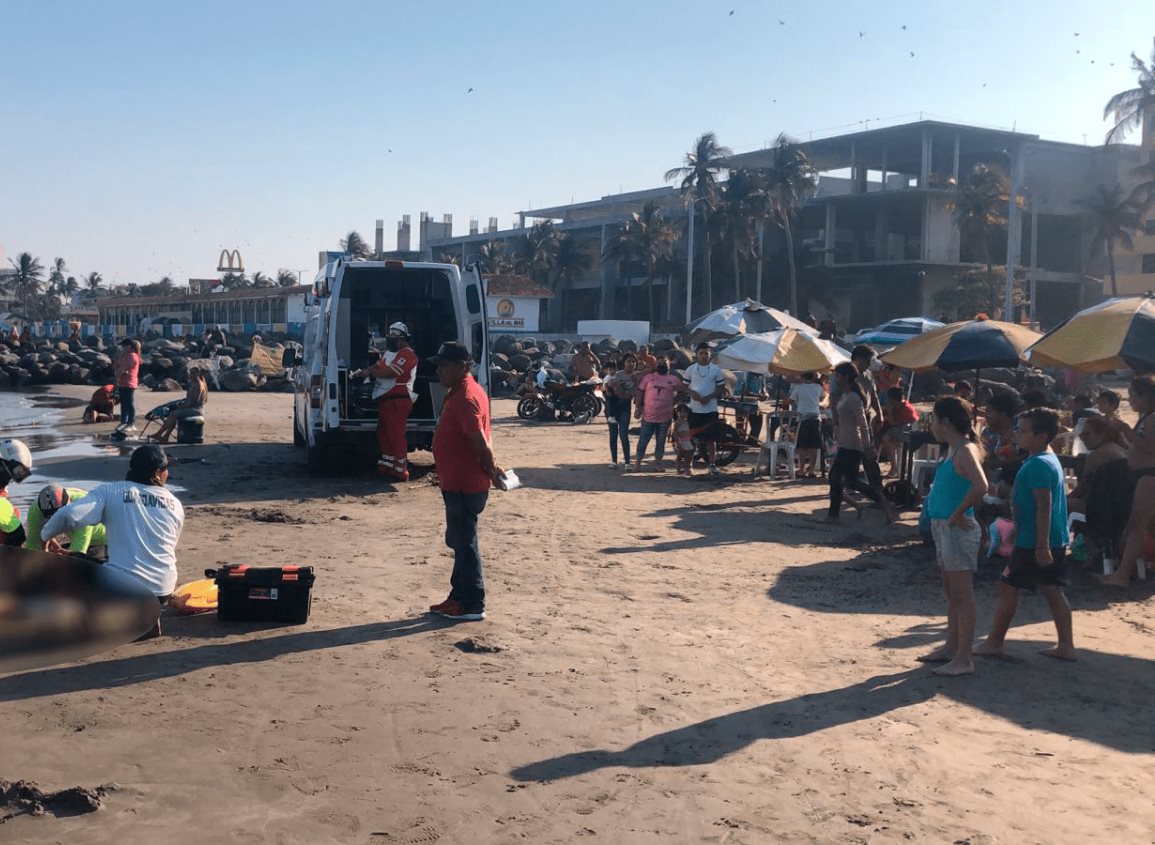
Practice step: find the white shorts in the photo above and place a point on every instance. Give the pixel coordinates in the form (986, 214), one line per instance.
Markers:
(957, 550)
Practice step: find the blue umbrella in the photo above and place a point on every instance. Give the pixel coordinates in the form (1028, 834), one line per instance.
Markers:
(896, 332)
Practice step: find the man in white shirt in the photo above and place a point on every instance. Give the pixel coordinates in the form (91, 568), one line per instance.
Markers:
(705, 383)
(143, 522)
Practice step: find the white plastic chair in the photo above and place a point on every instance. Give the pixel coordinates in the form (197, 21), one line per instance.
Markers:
(925, 460)
(782, 440)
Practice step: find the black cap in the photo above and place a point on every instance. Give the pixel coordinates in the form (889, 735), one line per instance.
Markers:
(452, 351)
(148, 460)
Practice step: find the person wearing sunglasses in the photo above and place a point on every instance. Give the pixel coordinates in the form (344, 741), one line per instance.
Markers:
(142, 520)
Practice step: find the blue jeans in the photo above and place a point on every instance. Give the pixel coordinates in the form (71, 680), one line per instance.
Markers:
(658, 431)
(466, 583)
(619, 430)
(127, 405)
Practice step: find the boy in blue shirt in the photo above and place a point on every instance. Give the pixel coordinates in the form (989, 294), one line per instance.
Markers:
(1039, 560)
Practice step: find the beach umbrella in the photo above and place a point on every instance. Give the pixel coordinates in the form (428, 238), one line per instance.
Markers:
(969, 345)
(1113, 335)
(897, 332)
(786, 351)
(747, 317)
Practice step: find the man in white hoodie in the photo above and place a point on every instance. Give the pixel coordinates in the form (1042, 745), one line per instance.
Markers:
(143, 522)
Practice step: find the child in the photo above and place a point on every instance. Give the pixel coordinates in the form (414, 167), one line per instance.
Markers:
(898, 415)
(959, 485)
(807, 398)
(1039, 559)
(683, 443)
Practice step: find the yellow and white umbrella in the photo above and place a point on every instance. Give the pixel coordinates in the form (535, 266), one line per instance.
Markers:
(1113, 335)
(786, 351)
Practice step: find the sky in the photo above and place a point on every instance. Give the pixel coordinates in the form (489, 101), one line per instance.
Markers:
(142, 137)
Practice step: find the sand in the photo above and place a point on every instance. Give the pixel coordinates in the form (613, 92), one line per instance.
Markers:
(665, 661)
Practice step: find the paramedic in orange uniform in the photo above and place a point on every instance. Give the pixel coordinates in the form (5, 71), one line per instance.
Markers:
(395, 373)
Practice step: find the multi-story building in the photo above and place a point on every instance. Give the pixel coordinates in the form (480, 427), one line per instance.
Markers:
(879, 239)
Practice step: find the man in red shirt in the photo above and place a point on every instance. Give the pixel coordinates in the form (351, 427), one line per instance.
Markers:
(466, 468)
(395, 374)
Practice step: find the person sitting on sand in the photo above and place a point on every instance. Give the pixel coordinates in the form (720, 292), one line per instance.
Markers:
(102, 405)
(51, 499)
(1040, 537)
(193, 405)
(143, 522)
(959, 485)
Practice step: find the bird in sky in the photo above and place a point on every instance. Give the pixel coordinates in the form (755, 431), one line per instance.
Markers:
(1076, 35)
(781, 22)
(904, 26)
(912, 54)
(731, 13)
(861, 33)
(470, 91)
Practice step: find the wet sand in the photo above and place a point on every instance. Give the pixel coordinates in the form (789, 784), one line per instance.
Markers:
(665, 661)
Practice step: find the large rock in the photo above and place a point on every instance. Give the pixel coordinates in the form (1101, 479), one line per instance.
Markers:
(167, 385)
(239, 380)
(160, 367)
(520, 362)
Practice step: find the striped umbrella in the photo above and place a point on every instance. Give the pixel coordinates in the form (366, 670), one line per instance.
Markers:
(747, 317)
(1113, 335)
(786, 351)
(969, 345)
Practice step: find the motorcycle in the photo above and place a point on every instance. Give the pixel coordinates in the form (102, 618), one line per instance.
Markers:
(576, 403)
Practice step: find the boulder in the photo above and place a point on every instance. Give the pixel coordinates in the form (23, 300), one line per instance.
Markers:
(148, 382)
(160, 367)
(239, 380)
(520, 362)
(167, 385)
(496, 359)
(562, 362)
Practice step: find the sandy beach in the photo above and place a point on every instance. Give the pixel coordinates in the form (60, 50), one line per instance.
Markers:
(665, 661)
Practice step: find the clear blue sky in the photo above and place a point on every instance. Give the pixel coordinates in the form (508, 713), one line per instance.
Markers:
(141, 137)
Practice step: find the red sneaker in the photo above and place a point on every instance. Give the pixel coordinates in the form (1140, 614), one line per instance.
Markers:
(453, 610)
(437, 608)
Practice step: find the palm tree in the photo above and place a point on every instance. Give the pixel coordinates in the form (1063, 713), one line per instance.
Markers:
(645, 238)
(743, 205)
(235, 281)
(93, 281)
(354, 246)
(1128, 107)
(790, 179)
(980, 206)
(260, 280)
(494, 257)
(570, 259)
(449, 258)
(286, 279)
(56, 277)
(699, 183)
(533, 253)
(27, 281)
(624, 247)
(1113, 219)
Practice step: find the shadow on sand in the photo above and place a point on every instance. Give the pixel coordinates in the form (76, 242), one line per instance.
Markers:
(141, 668)
(1094, 700)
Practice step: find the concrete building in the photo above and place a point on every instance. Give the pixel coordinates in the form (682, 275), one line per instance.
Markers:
(878, 240)
(244, 311)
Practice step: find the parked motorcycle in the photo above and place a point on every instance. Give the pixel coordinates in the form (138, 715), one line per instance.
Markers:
(576, 403)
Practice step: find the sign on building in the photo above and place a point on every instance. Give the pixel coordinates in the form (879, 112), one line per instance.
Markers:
(514, 313)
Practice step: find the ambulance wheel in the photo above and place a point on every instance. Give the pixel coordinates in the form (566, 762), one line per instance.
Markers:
(316, 458)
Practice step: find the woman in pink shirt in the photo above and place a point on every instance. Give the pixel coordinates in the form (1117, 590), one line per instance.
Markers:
(127, 370)
(655, 407)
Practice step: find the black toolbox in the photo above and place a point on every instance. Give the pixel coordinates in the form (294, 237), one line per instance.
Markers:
(263, 593)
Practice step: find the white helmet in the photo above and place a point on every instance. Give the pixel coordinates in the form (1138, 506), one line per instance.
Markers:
(16, 457)
(398, 329)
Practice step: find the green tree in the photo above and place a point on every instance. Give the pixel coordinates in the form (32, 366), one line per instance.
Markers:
(699, 185)
(975, 292)
(92, 281)
(743, 205)
(286, 279)
(534, 251)
(234, 281)
(27, 283)
(980, 206)
(1127, 108)
(494, 257)
(354, 246)
(644, 238)
(1113, 220)
(790, 178)
(260, 280)
(570, 260)
(56, 276)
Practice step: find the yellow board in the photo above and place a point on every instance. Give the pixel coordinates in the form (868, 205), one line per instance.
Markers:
(195, 596)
